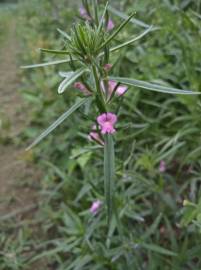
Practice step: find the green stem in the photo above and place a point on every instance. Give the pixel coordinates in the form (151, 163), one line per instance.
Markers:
(109, 172)
(95, 7)
(100, 96)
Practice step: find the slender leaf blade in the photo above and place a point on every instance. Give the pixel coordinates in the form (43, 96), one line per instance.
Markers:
(55, 62)
(102, 18)
(63, 52)
(64, 74)
(125, 17)
(111, 37)
(64, 34)
(158, 249)
(129, 42)
(65, 115)
(109, 169)
(70, 79)
(153, 87)
(152, 229)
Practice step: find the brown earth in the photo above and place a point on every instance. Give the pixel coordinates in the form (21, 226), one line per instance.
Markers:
(19, 181)
(14, 171)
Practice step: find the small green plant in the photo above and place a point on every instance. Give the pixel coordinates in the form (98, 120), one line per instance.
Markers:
(87, 51)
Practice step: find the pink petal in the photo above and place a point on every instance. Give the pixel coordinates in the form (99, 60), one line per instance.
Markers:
(80, 86)
(112, 85)
(162, 166)
(110, 25)
(107, 67)
(95, 207)
(96, 137)
(121, 90)
(82, 11)
(108, 130)
(102, 118)
(106, 122)
(112, 118)
(84, 14)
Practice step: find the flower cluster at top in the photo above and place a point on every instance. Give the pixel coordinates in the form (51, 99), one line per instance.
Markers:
(105, 122)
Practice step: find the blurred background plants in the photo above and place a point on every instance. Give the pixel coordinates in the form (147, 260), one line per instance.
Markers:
(159, 143)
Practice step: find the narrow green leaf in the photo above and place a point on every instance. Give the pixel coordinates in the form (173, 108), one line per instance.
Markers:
(125, 17)
(56, 62)
(153, 87)
(80, 262)
(116, 32)
(54, 251)
(102, 18)
(109, 168)
(66, 74)
(129, 42)
(70, 79)
(64, 34)
(78, 104)
(158, 249)
(152, 229)
(172, 151)
(53, 51)
(95, 9)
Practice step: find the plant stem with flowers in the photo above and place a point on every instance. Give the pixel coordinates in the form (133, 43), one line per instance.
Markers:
(87, 51)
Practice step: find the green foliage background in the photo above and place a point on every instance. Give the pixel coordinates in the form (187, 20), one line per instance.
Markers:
(154, 230)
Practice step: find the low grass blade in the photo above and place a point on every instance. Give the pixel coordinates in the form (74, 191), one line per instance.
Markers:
(158, 249)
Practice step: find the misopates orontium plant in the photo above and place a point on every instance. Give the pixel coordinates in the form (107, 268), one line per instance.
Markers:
(87, 51)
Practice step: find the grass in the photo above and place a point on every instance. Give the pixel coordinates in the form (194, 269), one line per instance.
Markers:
(154, 229)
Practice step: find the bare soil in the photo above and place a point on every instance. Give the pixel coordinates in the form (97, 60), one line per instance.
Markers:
(19, 181)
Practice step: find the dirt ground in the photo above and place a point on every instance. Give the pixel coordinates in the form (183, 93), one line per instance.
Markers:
(16, 191)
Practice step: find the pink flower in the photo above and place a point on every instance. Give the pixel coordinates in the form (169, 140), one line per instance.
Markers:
(95, 207)
(94, 136)
(84, 14)
(110, 25)
(107, 122)
(162, 166)
(107, 67)
(120, 91)
(82, 88)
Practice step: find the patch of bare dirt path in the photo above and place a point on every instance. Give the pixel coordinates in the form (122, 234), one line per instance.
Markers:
(19, 181)
(13, 169)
